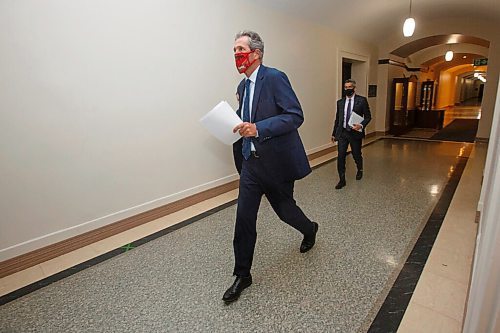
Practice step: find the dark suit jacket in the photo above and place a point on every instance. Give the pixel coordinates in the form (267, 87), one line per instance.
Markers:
(277, 114)
(361, 107)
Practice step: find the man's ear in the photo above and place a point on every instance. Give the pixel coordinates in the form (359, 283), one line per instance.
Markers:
(259, 53)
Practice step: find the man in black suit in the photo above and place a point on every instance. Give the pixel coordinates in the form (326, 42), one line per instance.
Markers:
(346, 134)
(269, 157)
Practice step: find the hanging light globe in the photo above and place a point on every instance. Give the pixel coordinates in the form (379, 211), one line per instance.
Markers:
(448, 56)
(409, 27)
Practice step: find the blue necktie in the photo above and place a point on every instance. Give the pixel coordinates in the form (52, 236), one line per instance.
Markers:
(246, 118)
(348, 115)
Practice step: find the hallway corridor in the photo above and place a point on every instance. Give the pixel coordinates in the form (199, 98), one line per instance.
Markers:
(174, 283)
(118, 180)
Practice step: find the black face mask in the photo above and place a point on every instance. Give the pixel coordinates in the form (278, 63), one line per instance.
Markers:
(349, 92)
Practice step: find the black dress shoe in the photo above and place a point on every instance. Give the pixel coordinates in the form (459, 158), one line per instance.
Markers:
(340, 184)
(234, 292)
(359, 174)
(309, 241)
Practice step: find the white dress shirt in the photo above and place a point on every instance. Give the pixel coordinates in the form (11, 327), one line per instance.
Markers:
(252, 79)
(345, 109)
(346, 121)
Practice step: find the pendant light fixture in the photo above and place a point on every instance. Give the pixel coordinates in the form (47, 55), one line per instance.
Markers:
(409, 25)
(448, 55)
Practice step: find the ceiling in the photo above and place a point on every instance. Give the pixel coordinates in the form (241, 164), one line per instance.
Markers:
(373, 20)
(458, 59)
(419, 44)
(439, 64)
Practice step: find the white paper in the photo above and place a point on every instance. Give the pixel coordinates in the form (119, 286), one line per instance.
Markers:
(355, 119)
(220, 122)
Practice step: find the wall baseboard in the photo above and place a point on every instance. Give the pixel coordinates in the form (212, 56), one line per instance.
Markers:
(378, 133)
(106, 217)
(323, 152)
(30, 259)
(482, 140)
(332, 149)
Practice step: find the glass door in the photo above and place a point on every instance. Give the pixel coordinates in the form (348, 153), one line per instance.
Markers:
(427, 95)
(399, 106)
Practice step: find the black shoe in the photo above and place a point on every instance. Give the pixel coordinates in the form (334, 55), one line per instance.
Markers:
(234, 292)
(340, 184)
(359, 174)
(309, 241)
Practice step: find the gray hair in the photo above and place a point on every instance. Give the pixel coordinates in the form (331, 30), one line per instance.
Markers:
(255, 42)
(351, 81)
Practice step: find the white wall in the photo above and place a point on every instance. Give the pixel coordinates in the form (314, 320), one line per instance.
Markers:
(100, 101)
(483, 306)
(490, 89)
(386, 73)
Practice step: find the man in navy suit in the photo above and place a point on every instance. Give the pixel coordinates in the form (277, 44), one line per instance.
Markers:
(269, 157)
(346, 134)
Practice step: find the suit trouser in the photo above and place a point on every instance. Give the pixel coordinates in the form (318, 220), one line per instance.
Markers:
(254, 182)
(348, 138)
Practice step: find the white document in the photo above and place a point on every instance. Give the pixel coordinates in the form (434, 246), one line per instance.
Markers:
(220, 122)
(355, 119)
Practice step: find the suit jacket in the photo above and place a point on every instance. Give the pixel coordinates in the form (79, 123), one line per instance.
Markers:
(277, 114)
(361, 107)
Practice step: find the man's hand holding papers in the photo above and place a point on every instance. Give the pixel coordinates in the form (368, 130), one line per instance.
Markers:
(221, 121)
(355, 122)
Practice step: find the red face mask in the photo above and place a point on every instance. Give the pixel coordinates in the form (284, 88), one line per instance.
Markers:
(242, 61)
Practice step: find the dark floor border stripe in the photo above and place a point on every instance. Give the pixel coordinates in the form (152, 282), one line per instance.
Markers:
(394, 307)
(108, 255)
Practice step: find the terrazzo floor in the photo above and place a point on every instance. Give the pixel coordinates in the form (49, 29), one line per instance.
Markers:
(175, 283)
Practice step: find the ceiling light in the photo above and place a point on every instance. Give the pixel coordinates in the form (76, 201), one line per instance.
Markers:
(448, 56)
(409, 25)
(464, 57)
(481, 77)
